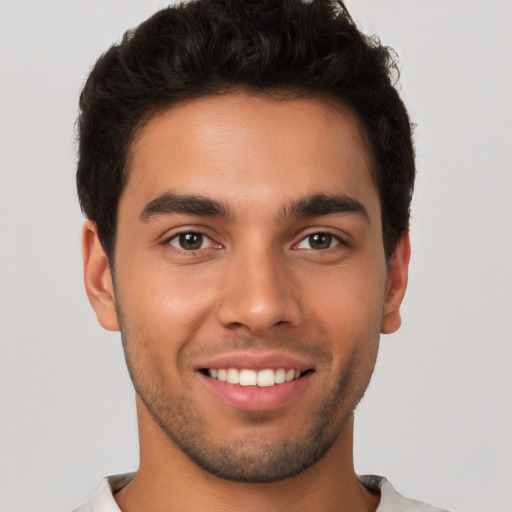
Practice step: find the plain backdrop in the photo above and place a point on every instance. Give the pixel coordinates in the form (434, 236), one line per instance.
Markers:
(437, 417)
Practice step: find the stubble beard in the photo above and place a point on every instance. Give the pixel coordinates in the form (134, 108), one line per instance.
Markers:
(247, 459)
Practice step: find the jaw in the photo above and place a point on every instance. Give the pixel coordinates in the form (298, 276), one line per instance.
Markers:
(169, 477)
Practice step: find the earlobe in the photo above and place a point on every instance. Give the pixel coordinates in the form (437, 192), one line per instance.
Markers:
(396, 285)
(98, 279)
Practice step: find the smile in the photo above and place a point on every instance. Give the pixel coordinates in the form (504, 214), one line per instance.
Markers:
(257, 381)
(263, 378)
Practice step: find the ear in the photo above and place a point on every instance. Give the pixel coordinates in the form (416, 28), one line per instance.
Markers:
(397, 283)
(97, 278)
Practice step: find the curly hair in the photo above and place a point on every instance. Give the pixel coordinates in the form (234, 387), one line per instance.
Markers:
(266, 47)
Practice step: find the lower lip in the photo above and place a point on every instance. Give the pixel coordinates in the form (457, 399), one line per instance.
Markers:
(255, 398)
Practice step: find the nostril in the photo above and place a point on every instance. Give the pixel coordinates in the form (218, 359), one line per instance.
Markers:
(257, 309)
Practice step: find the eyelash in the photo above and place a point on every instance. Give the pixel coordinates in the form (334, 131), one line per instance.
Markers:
(204, 238)
(331, 238)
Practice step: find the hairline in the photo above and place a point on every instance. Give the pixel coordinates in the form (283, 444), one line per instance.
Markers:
(279, 93)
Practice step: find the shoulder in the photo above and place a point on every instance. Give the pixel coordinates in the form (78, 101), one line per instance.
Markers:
(391, 500)
(103, 498)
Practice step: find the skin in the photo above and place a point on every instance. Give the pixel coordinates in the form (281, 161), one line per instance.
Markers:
(257, 284)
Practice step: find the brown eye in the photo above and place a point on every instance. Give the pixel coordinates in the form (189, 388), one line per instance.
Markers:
(189, 241)
(319, 242)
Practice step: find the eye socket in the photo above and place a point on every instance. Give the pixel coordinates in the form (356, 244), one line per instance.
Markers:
(194, 241)
(190, 241)
(319, 242)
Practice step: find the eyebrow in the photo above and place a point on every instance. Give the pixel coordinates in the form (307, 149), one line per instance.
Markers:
(320, 205)
(170, 203)
(317, 205)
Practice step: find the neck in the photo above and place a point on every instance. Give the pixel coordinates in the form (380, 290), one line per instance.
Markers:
(167, 480)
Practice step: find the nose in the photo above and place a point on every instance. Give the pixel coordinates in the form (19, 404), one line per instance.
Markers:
(258, 294)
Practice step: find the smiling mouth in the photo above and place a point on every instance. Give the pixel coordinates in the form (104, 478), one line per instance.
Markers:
(246, 377)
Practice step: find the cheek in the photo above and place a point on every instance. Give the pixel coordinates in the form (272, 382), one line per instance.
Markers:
(347, 305)
(160, 311)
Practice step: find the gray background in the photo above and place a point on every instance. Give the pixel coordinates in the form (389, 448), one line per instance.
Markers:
(436, 419)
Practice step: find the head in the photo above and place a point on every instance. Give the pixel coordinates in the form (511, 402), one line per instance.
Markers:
(246, 168)
(280, 49)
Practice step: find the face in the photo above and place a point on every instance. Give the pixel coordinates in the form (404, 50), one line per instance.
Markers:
(250, 279)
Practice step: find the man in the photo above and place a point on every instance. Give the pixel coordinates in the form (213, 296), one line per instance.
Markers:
(246, 169)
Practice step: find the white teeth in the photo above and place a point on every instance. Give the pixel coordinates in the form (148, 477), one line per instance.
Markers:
(280, 376)
(233, 376)
(266, 378)
(245, 377)
(248, 378)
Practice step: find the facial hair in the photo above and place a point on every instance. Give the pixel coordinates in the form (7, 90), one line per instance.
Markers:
(248, 458)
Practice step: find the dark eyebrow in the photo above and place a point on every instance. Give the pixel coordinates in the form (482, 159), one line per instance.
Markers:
(320, 205)
(170, 203)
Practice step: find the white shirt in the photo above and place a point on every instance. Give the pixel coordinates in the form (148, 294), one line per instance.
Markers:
(390, 501)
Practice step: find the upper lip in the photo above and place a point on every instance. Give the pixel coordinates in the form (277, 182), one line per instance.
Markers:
(255, 361)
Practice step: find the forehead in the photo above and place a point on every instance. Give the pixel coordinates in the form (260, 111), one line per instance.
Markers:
(244, 149)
